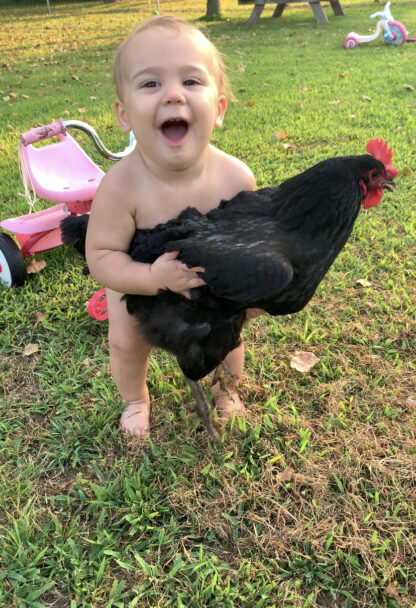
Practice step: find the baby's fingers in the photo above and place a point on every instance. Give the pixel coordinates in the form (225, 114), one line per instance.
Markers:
(196, 282)
(197, 269)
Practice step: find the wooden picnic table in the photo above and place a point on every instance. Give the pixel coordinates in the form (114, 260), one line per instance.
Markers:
(281, 5)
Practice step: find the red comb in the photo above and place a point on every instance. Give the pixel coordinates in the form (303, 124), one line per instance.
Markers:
(381, 151)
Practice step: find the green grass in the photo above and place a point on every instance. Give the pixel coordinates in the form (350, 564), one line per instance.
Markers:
(311, 500)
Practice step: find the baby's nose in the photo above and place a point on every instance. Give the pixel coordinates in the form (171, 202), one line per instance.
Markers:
(174, 94)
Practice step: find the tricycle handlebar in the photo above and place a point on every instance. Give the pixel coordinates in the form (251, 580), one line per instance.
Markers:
(60, 127)
(39, 133)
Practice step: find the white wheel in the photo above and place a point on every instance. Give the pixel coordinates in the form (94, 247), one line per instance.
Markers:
(12, 263)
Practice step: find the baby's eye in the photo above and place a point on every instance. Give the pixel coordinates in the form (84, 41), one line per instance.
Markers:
(190, 82)
(149, 84)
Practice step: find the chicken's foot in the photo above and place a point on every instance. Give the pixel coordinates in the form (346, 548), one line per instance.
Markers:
(202, 408)
(228, 382)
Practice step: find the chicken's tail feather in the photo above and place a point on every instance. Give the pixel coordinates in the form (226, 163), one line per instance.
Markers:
(74, 230)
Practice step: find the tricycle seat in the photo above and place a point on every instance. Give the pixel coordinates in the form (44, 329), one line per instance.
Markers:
(61, 172)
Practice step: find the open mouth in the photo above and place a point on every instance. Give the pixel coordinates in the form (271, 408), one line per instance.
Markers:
(175, 129)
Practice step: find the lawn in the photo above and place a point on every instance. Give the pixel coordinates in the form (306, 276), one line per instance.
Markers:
(310, 501)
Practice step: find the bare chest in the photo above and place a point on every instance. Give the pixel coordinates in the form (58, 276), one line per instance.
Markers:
(158, 207)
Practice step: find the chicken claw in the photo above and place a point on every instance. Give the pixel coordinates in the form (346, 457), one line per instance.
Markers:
(203, 408)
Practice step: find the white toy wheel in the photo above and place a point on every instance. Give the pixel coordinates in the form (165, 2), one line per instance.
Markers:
(12, 263)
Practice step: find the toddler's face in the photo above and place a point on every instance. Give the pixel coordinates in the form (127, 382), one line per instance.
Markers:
(170, 96)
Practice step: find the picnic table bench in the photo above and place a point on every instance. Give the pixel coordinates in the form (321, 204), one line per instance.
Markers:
(281, 5)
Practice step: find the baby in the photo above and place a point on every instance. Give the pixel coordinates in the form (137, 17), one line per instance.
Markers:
(171, 89)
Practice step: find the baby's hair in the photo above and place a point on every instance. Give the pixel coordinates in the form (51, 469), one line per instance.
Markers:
(180, 25)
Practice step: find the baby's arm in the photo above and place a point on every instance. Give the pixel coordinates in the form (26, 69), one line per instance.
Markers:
(110, 230)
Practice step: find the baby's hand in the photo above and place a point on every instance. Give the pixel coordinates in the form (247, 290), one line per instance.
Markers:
(169, 273)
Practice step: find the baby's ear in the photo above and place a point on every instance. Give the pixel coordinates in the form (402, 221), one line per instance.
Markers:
(121, 116)
(222, 108)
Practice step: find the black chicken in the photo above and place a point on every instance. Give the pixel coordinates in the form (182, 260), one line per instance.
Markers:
(267, 249)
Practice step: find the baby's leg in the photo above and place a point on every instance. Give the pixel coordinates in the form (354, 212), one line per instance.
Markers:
(228, 403)
(129, 361)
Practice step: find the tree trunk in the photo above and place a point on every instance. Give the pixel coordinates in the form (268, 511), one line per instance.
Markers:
(213, 7)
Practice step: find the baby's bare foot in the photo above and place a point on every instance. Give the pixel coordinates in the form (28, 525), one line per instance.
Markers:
(227, 403)
(134, 420)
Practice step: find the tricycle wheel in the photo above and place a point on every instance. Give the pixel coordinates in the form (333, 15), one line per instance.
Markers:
(12, 262)
(350, 42)
(398, 32)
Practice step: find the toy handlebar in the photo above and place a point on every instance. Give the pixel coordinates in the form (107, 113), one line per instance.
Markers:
(60, 127)
(39, 133)
(386, 14)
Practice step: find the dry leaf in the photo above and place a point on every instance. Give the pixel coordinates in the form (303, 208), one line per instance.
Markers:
(289, 146)
(304, 89)
(411, 401)
(30, 349)
(39, 318)
(35, 266)
(363, 282)
(303, 361)
(280, 135)
(284, 476)
(408, 87)
(249, 104)
(391, 591)
(365, 98)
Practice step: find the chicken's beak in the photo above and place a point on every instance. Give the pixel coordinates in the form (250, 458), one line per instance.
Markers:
(390, 185)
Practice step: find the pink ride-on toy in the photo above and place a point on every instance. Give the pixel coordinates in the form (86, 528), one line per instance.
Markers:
(392, 32)
(61, 173)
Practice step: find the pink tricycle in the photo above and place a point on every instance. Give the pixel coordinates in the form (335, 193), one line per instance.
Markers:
(59, 172)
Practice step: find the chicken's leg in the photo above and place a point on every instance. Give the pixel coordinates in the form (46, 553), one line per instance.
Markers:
(227, 381)
(202, 408)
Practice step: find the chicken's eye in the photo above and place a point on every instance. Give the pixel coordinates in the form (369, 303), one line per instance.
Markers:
(375, 174)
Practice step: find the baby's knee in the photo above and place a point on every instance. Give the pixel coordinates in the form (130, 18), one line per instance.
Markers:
(127, 344)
